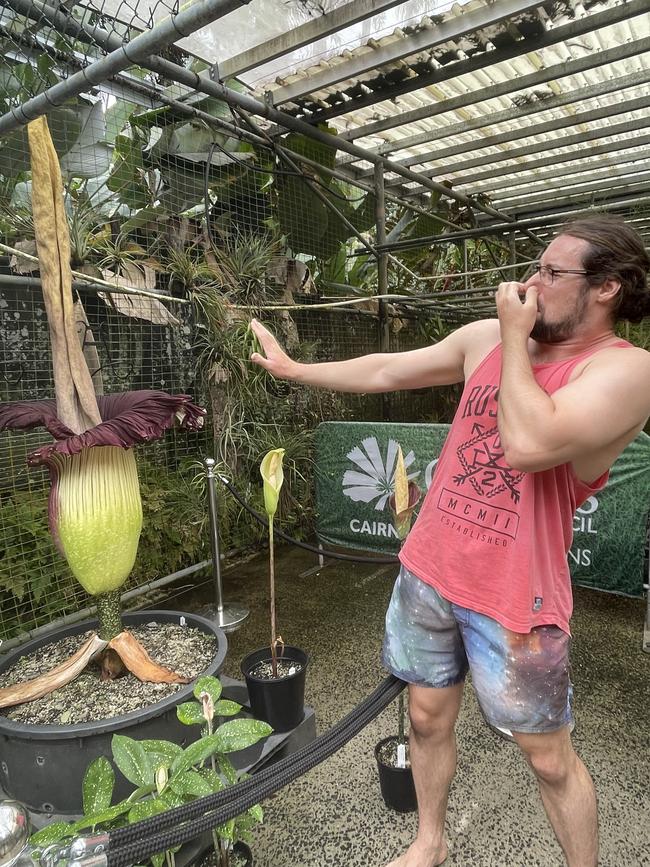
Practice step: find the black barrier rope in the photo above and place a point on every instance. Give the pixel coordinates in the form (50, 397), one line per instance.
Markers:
(321, 551)
(132, 844)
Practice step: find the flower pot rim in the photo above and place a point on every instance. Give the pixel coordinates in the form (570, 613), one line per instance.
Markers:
(53, 731)
(380, 744)
(244, 667)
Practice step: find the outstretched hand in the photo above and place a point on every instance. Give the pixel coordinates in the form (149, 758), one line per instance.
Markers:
(517, 309)
(274, 359)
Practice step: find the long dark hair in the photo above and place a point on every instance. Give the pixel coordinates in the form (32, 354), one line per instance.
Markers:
(615, 250)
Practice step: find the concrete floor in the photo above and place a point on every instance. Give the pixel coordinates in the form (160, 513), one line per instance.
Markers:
(334, 815)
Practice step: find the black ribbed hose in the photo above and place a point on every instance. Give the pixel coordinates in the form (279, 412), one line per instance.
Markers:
(134, 843)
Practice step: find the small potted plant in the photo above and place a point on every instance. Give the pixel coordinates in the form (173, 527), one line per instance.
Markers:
(275, 675)
(164, 775)
(392, 753)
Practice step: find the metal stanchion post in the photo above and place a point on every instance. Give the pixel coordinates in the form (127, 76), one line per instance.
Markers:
(228, 617)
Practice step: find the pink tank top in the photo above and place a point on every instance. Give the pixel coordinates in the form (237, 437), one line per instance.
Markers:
(491, 538)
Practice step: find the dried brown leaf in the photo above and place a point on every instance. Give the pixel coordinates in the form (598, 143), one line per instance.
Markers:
(138, 661)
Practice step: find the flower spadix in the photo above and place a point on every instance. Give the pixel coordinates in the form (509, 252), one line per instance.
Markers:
(273, 477)
(405, 497)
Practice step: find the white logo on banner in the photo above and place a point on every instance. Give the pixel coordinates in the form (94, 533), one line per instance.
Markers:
(373, 479)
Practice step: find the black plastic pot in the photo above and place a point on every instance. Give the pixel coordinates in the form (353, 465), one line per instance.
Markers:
(43, 766)
(206, 857)
(397, 786)
(278, 701)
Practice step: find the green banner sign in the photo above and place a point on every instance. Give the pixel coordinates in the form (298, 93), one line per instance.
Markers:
(354, 477)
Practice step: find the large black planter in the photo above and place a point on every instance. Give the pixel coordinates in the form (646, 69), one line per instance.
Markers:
(43, 765)
(279, 701)
(397, 786)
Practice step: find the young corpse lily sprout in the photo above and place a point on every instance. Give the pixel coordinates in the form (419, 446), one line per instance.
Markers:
(403, 501)
(273, 476)
(95, 511)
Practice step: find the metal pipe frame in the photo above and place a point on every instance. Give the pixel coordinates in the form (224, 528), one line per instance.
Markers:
(189, 19)
(573, 30)
(540, 221)
(539, 106)
(18, 117)
(621, 165)
(554, 159)
(565, 195)
(513, 134)
(419, 41)
(538, 147)
(317, 28)
(504, 88)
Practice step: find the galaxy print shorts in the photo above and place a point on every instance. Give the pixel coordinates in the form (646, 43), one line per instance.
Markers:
(521, 680)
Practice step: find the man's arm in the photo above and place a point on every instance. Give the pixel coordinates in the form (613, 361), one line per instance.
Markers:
(601, 409)
(440, 364)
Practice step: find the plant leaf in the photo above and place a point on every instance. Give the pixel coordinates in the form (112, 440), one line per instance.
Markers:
(101, 818)
(97, 787)
(147, 809)
(59, 676)
(51, 834)
(196, 753)
(256, 812)
(190, 783)
(237, 734)
(190, 713)
(225, 707)
(132, 760)
(212, 778)
(161, 752)
(211, 685)
(227, 768)
(138, 661)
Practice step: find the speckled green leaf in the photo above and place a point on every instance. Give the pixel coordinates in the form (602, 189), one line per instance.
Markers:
(256, 812)
(196, 753)
(97, 787)
(161, 752)
(190, 783)
(237, 734)
(227, 768)
(210, 685)
(51, 834)
(190, 713)
(212, 778)
(102, 817)
(147, 809)
(227, 830)
(225, 707)
(172, 798)
(132, 760)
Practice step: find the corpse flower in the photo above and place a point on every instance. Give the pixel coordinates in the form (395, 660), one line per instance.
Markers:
(95, 511)
(273, 477)
(404, 499)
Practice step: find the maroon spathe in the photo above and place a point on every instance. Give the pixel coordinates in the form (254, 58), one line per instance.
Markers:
(128, 418)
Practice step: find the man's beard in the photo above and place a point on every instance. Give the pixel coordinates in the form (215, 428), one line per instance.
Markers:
(556, 332)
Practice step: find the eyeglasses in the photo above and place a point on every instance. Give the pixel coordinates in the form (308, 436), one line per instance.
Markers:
(548, 274)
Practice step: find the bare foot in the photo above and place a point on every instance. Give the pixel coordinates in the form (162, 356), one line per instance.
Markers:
(418, 855)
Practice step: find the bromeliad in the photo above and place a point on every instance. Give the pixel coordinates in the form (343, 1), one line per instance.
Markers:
(95, 511)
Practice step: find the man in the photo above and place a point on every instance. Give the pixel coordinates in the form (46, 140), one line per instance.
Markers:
(551, 398)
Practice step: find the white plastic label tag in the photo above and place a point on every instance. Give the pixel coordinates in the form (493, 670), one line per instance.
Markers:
(401, 755)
